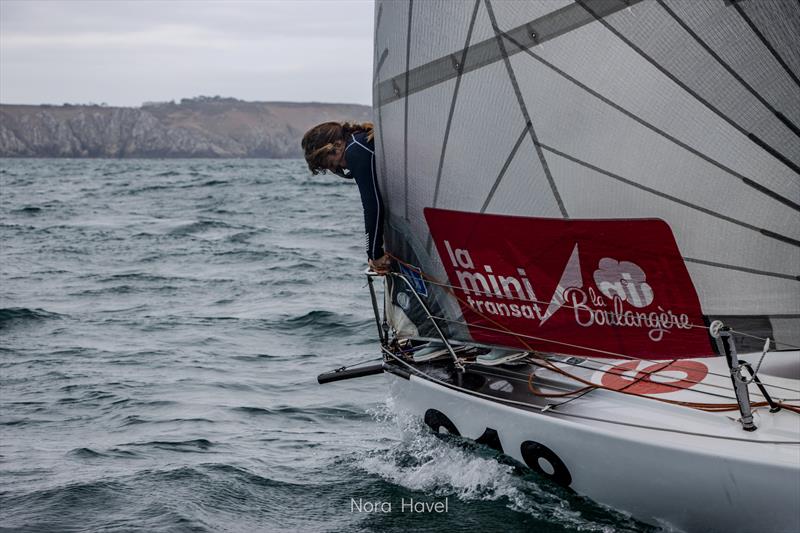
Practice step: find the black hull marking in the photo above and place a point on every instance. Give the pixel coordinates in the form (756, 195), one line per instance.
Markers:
(437, 420)
(533, 451)
(491, 439)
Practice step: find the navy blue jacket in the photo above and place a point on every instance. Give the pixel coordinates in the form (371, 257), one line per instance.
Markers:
(360, 157)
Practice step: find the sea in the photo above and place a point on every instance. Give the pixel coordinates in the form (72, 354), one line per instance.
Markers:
(162, 325)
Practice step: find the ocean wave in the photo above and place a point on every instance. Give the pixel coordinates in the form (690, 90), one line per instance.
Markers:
(21, 315)
(127, 289)
(29, 210)
(85, 453)
(324, 322)
(212, 183)
(133, 402)
(148, 188)
(243, 237)
(294, 266)
(262, 356)
(248, 255)
(17, 422)
(43, 510)
(185, 446)
(307, 414)
(134, 420)
(443, 466)
(180, 394)
(89, 453)
(198, 226)
(138, 276)
(118, 289)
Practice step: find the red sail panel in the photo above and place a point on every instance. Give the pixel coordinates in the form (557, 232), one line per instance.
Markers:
(585, 287)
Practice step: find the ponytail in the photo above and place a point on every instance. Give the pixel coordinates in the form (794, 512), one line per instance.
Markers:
(349, 128)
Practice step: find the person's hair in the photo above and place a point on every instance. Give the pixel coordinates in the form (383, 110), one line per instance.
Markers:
(318, 142)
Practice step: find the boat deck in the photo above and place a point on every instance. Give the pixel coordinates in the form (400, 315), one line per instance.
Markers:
(682, 397)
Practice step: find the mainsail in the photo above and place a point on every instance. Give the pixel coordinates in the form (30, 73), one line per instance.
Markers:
(639, 158)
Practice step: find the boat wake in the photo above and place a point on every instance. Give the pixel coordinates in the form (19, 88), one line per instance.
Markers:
(422, 462)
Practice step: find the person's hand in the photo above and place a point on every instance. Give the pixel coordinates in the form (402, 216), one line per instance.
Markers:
(381, 265)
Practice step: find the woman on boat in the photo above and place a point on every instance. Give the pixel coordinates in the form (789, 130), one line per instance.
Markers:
(348, 150)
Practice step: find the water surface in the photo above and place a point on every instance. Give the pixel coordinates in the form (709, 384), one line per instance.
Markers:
(162, 324)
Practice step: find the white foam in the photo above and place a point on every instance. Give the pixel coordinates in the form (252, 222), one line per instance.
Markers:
(417, 460)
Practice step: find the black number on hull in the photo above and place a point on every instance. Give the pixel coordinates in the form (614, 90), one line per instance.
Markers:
(535, 454)
(491, 439)
(437, 421)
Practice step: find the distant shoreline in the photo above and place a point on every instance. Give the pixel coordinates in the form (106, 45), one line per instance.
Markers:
(194, 128)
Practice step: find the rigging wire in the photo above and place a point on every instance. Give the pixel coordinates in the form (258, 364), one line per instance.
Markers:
(433, 281)
(674, 364)
(687, 379)
(370, 360)
(648, 376)
(551, 411)
(550, 366)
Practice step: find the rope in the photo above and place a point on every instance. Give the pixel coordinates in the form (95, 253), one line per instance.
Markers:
(758, 366)
(506, 296)
(505, 330)
(675, 362)
(694, 405)
(550, 366)
(434, 281)
(743, 334)
(677, 367)
(551, 412)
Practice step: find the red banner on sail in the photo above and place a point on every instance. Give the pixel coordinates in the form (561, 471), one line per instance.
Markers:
(601, 288)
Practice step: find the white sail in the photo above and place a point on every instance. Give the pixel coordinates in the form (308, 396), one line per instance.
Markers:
(683, 111)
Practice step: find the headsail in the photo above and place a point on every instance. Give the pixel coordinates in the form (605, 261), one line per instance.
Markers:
(687, 112)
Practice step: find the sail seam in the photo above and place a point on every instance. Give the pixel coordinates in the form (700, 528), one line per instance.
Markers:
(765, 42)
(453, 101)
(756, 140)
(460, 70)
(779, 156)
(535, 32)
(780, 116)
(742, 269)
(381, 61)
(405, 111)
(523, 108)
(749, 182)
(675, 199)
(505, 167)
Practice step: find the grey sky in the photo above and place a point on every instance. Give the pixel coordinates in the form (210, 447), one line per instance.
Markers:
(126, 53)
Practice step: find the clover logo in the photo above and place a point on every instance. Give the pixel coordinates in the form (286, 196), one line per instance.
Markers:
(625, 280)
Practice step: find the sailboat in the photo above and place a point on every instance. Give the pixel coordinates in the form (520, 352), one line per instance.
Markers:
(593, 214)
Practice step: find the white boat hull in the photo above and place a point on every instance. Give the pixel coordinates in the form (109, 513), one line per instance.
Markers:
(700, 472)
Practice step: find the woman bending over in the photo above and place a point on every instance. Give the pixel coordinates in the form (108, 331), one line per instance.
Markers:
(348, 150)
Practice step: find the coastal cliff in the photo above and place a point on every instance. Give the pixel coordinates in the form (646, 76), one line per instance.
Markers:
(196, 127)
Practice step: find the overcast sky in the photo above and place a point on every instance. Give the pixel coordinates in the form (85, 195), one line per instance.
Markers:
(130, 52)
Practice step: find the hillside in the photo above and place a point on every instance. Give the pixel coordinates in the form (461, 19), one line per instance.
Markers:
(196, 127)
